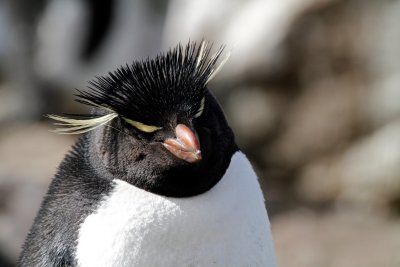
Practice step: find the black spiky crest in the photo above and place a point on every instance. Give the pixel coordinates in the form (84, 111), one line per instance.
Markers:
(148, 90)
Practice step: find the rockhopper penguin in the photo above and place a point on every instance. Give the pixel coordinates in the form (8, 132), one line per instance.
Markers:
(156, 179)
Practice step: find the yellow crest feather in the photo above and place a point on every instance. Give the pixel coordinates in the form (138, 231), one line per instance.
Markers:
(141, 126)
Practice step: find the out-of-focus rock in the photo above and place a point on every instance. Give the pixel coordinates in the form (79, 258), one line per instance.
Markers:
(319, 181)
(29, 155)
(10, 104)
(381, 44)
(366, 175)
(319, 120)
(306, 239)
(382, 102)
(380, 21)
(370, 170)
(253, 113)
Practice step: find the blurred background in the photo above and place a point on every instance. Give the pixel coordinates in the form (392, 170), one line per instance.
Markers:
(312, 91)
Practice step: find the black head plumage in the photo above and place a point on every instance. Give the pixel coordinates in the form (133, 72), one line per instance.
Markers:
(147, 90)
(156, 133)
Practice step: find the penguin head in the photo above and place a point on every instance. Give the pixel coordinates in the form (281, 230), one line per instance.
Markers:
(162, 130)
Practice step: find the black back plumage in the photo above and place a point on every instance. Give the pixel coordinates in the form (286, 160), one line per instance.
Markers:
(73, 194)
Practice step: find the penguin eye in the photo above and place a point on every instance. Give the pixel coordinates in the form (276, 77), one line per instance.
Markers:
(201, 109)
(142, 127)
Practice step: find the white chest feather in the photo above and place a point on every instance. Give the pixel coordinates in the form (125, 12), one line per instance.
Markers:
(226, 226)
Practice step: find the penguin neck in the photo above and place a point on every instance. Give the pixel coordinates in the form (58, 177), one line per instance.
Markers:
(141, 222)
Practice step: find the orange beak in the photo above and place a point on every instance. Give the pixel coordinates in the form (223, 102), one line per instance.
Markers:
(185, 146)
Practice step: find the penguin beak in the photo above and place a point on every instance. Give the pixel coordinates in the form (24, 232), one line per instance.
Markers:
(185, 146)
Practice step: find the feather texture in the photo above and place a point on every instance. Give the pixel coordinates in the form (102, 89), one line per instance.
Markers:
(147, 91)
(78, 126)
